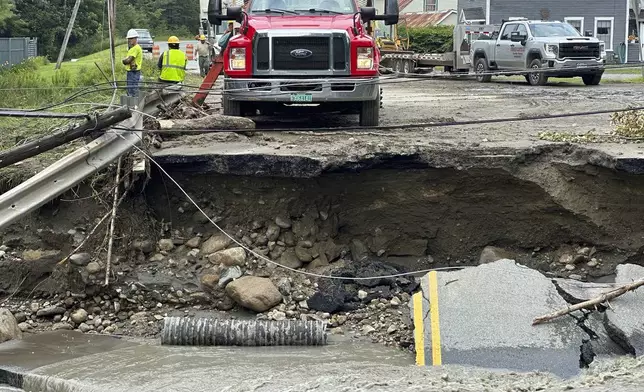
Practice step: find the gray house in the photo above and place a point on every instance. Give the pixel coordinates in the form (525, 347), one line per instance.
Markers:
(605, 19)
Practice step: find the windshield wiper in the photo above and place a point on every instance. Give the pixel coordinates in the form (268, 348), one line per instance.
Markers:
(278, 11)
(323, 11)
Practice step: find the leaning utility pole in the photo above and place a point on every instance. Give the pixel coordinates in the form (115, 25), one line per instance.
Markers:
(111, 26)
(67, 34)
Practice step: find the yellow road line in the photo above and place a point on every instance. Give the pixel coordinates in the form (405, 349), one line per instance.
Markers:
(437, 358)
(419, 329)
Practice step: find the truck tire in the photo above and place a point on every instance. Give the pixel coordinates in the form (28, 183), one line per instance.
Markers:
(537, 78)
(482, 67)
(370, 113)
(592, 79)
(231, 108)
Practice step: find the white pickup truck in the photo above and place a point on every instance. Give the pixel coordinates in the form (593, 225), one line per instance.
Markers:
(556, 49)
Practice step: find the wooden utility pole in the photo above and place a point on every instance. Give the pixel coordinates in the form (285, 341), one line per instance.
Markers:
(111, 24)
(70, 26)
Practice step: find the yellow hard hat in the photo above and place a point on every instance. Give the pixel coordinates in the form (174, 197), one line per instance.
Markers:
(173, 40)
(202, 37)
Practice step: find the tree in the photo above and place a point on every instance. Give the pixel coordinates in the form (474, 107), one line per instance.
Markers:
(6, 12)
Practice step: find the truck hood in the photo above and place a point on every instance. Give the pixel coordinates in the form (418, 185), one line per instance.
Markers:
(556, 40)
(336, 22)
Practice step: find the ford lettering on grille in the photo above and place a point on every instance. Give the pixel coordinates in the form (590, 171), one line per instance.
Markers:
(301, 53)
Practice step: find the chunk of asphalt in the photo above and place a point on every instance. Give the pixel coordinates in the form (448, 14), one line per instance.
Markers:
(624, 320)
(574, 291)
(484, 318)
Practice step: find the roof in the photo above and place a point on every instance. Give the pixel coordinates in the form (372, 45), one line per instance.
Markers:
(402, 4)
(476, 13)
(426, 19)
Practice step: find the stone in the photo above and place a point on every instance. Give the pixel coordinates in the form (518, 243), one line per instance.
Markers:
(331, 250)
(50, 311)
(407, 247)
(93, 268)
(145, 246)
(80, 259)
(624, 320)
(209, 281)
(273, 232)
(330, 297)
(20, 317)
(9, 329)
(279, 316)
(575, 276)
(166, 244)
(491, 254)
(62, 326)
(392, 329)
(214, 244)
(84, 328)
(570, 267)
(303, 254)
(592, 263)
(501, 312)
(362, 294)
(24, 327)
(35, 255)
(358, 249)
(283, 222)
(284, 286)
(228, 275)
(289, 238)
(290, 259)
(395, 302)
(79, 316)
(156, 258)
(318, 262)
(305, 227)
(229, 257)
(193, 242)
(257, 294)
(367, 329)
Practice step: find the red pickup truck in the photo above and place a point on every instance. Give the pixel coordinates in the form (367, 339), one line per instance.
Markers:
(290, 53)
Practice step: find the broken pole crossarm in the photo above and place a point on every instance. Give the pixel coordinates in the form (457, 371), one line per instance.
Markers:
(607, 296)
(33, 148)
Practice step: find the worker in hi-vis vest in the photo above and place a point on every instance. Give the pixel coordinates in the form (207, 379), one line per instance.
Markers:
(172, 63)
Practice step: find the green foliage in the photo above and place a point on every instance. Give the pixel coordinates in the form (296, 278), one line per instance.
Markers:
(48, 20)
(436, 39)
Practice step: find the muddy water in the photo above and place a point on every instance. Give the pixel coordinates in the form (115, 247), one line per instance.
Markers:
(341, 366)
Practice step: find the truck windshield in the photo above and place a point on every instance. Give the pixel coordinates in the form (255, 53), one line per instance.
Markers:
(325, 7)
(553, 30)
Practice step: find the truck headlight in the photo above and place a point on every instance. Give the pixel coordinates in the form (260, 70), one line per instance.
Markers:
(238, 58)
(602, 50)
(365, 58)
(552, 50)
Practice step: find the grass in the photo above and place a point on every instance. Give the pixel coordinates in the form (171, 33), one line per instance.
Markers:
(625, 71)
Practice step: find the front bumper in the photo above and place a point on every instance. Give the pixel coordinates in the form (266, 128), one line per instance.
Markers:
(575, 66)
(317, 90)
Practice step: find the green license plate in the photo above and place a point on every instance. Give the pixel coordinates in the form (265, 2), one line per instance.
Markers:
(301, 98)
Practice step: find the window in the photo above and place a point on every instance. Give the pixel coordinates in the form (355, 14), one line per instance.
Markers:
(430, 5)
(507, 31)
(577, 23)
(604, 30)
(522, 30)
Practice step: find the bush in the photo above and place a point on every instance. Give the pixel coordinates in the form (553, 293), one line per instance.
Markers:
(436, 39)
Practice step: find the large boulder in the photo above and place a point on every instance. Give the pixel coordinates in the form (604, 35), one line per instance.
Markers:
(9, 329)
(214, 244)
(252, 292)
(229, 257)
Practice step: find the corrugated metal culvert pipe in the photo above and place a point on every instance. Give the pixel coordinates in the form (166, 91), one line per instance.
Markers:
(183, 331)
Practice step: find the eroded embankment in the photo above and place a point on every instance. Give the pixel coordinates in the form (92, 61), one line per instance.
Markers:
(563, 211)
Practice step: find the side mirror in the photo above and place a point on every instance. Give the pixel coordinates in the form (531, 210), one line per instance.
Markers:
(588, 33)
(369, 3)
(234, 13)
(214, 12)
(391, 12)
(152, 37)
(516, 37)
(367, 14)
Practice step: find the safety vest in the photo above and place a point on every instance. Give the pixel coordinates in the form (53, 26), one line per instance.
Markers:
(174, 66)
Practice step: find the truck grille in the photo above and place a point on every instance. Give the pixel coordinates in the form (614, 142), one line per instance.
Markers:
(579, 50)
(327, 52)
